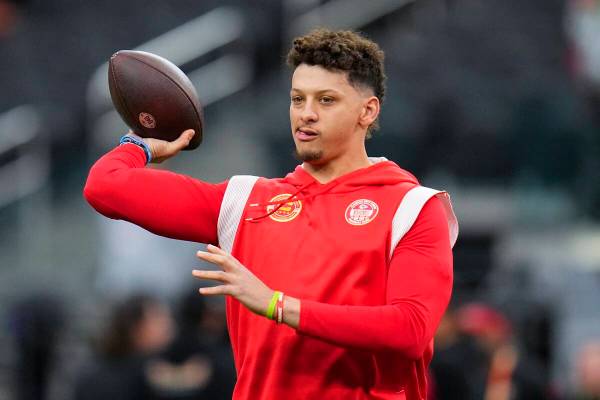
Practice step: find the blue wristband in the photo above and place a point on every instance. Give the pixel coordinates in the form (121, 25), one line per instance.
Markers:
(137, 142)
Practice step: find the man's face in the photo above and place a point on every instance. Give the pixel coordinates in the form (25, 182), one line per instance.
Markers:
(324, 114)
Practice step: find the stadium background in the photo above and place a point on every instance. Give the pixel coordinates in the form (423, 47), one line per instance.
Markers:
(497, 102)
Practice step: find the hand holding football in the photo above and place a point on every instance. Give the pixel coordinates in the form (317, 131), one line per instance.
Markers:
(154, 97)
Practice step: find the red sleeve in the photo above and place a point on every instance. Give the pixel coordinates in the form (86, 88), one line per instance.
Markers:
(418, 291)
(165, 203)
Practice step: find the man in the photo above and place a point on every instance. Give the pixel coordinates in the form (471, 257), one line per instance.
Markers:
(348, 255)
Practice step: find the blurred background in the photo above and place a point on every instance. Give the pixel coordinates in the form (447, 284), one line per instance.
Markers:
(497, 102)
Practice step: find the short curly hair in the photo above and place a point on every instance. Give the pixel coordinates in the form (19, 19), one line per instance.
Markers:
(345, 51)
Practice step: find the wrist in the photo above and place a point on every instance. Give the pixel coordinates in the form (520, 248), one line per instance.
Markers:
(138, 142)
(283, 309)
(291, 315)
(271, 311)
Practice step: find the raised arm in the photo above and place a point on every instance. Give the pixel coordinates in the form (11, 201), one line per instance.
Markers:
(168, 204)
(418, 292)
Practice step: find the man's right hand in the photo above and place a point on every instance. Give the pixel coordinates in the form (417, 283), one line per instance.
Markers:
(162, 150)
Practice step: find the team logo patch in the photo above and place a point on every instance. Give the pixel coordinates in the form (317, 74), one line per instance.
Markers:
(147, 120)
(287, 211)
(361, 212)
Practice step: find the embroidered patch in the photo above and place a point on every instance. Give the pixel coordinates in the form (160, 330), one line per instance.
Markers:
(361, 212)
(287, 211)
(147, 120)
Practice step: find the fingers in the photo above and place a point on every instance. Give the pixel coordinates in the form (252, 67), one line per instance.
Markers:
(216, 276)
(186, 136)
(132, 133)
(216, 250)
(226, 262)
(216, 259)
(182, 141)
(212, 275)
(215, 290)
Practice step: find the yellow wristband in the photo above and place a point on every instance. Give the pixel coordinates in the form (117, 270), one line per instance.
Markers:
(271, 309)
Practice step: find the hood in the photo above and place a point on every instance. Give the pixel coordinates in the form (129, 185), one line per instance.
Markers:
(382, 172)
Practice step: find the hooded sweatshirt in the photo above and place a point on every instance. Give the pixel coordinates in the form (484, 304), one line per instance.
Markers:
(371, 266)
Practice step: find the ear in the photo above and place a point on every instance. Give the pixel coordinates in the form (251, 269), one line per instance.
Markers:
(369, 112)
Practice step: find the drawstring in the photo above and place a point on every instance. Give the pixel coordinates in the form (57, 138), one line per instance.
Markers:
(292, 198)
(279, 204)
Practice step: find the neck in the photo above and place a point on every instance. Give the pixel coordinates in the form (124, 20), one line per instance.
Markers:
(334, 168)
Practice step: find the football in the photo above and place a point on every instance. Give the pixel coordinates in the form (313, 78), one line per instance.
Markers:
(154, 97)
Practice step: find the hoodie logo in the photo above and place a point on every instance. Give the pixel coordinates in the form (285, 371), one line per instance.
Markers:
(284, 212)
(361, 212)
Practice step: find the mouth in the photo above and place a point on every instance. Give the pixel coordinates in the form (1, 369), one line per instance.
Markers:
(306, 134)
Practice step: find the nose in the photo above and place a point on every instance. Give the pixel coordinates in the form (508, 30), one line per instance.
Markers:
(308, 114)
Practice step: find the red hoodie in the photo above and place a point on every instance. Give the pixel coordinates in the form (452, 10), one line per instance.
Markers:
(373, 272)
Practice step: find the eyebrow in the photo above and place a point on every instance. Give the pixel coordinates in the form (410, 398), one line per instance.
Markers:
(319, 91)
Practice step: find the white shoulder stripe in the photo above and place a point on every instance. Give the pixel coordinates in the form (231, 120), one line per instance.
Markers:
(409, 210)
(236, 196)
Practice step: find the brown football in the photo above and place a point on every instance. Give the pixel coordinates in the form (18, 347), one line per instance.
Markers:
(154, 97)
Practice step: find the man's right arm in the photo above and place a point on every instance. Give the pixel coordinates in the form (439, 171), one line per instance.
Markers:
(165, 203)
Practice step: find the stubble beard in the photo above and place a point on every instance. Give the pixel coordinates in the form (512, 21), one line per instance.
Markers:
(308, 155)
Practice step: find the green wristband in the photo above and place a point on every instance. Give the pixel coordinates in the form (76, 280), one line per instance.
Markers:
(271, 309)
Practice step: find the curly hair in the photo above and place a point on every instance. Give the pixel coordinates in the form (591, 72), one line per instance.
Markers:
(344, 51)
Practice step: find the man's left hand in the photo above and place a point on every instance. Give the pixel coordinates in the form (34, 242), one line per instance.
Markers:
(237, 281)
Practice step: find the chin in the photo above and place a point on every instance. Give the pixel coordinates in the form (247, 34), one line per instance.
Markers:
(309, 156)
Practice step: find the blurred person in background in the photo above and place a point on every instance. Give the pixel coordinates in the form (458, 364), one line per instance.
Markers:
(36, 324)
(455, 368)
(137, 330)
(587, 371)
(505, 372)
(196, 365)
(367, 250)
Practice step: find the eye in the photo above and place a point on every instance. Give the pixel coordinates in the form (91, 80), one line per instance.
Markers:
(296, 99)
(326, 100)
